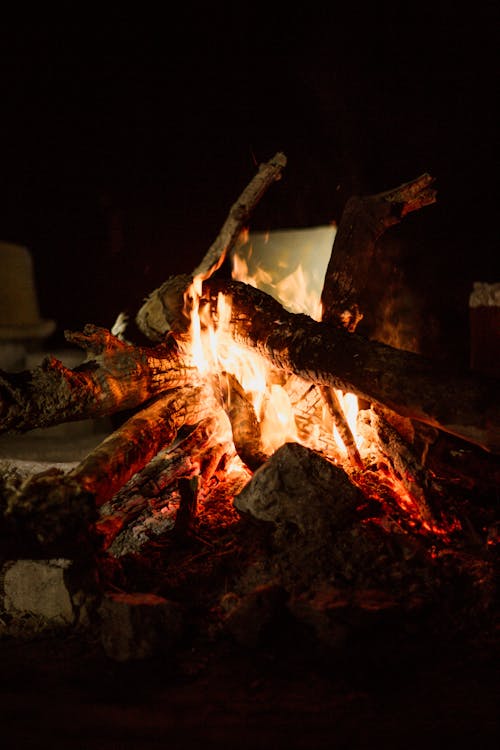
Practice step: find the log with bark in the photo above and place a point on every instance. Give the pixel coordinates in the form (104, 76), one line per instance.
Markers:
(115, 377)
(464, 404)
(164, 309)
(364, 220)
(162, 379)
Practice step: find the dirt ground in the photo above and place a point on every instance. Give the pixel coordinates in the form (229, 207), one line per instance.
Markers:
(401, 687)
(64, 693)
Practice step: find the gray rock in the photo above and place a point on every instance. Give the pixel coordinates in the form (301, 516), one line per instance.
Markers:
(138, 626)
(297, 486)
(35, 596)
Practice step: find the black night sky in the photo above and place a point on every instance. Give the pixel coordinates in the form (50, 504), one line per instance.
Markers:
(124, 142)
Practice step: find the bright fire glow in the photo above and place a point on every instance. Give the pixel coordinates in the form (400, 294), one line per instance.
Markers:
(213, 351)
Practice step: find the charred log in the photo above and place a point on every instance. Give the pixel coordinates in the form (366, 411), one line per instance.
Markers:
(49, 505)
(244, 423)
(138, 440)
(150, 488)
(363, 222)
(115, 377)
(164, 308)
(464, 404)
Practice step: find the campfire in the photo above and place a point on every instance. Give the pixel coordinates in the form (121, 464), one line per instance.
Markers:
(363, 466)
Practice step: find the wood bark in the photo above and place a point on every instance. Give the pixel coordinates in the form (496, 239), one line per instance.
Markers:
(127, 450)
(153, 489)
(163, 309)
(51, 504)
(363, 221)
(244, 423)
(116, 377)
(464, 404)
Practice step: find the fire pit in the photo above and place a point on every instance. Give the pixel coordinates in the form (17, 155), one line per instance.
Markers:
(277, 472)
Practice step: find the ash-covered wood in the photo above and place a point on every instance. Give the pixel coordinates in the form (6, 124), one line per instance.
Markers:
(127, 450)
(58, 509)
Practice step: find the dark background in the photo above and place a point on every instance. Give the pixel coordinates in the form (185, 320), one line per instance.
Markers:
(124, 141)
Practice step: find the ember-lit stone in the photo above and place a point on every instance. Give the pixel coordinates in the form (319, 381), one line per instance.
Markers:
(297, 486)
(138, 626)
(35, 596)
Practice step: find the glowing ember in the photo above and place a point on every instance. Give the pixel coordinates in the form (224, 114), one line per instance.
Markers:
(289, 410)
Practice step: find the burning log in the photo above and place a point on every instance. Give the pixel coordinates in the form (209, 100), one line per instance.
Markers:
(49, 504)
(244, 423)
(149, 486)
(164, 308)
(334, 406)
(403, 466)
(115, 377)
(363, 222)
(127, 450)
(464, 404)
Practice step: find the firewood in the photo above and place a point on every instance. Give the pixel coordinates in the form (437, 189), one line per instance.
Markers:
(335, 408)
(163, 309)
(402, 464)
(150, 487)
(127, 450)
(363, 221)
(464, 404)
(244, 423)
(49, 505)
(115, 377)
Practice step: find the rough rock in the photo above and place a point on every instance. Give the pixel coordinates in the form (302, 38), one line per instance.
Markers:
(36, 595)
(251, 619)
(138, 626)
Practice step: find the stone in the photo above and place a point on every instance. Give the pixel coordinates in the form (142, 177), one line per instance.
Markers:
(35, 596)
(138, 626)
(252, 618)
(297, 486)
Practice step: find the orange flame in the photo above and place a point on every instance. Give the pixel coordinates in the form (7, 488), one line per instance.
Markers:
(213, 350)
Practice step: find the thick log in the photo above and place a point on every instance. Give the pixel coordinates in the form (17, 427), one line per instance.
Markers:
(127, 450)
(464, 404)
(363, 221)
(49, 505)
(115, 377)
(163, 309)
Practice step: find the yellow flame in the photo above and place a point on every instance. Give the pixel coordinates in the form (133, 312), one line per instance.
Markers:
(292, 291)
(214, 350)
